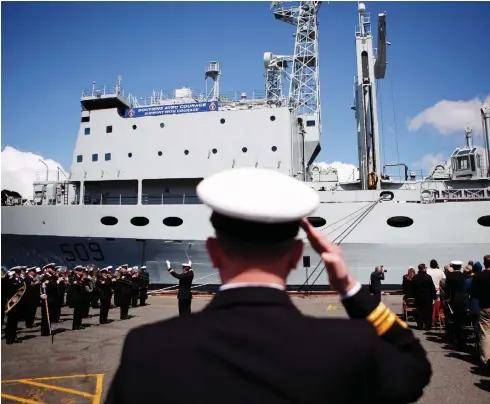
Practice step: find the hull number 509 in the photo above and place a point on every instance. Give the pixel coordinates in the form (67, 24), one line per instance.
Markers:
(80, 252)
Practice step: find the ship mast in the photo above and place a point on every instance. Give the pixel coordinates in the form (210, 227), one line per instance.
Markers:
(485, 116)
(304, 91)
(369, 68)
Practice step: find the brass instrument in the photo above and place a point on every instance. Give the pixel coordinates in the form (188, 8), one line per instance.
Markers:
(15, 299)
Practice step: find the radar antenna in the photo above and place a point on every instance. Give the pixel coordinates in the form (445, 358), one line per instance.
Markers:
(213, 71)
(275, 70)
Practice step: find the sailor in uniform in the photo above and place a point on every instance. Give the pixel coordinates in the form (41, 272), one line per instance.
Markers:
(15, 282)
(49, 294)
(104, 285)
(135, 284)
(145, 282)
(124, 287)
(32, 294)
(184, 295)
(251, 337)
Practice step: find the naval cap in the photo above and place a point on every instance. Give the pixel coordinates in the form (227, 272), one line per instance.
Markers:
(456, 263)
(187, 264)
(257, 204)
(51, 265)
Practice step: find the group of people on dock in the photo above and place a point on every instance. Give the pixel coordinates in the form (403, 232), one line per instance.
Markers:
(25, 289)
(458, 297)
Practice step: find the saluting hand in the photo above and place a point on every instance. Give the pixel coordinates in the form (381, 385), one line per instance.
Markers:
(338, 272)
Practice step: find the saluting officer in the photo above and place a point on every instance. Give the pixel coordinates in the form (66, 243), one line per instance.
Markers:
(184, 295)
(245, 336)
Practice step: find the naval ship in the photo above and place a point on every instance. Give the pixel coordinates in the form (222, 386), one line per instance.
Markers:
(131, 194)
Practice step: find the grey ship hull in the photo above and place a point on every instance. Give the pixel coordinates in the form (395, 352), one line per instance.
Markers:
(66, 235)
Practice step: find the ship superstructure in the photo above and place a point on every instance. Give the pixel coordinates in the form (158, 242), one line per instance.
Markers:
(131, 197)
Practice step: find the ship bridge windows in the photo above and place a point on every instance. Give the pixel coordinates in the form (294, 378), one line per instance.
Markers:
(111, 192)
(85, 119)
(310, 123)
(87, 131)
(79, 158)
(108, 129)
(170, 191)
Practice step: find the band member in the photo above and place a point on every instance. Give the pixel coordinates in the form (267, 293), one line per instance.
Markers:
(15, 282)
(117, 289)
(49, 280)
(136, 285)
(145, 282)
(124, 287)
(76, 291)
(184, 295)
(31, 297)
(104, 285)
(62, 285)
(95, 293)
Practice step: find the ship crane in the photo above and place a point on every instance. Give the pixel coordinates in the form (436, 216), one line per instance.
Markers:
(369, 68)
(304, 90)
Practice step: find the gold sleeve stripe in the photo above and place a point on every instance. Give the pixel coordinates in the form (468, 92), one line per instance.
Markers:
(381, 318)
(376, 312)
(386, 325)
(401, 322)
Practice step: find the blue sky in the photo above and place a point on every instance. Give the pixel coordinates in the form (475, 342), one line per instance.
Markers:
(51, 51)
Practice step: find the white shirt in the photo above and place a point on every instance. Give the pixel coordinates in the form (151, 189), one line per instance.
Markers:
(437, 275)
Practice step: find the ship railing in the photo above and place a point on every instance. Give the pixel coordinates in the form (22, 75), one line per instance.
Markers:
(170, 199)
(110, 200)
(115, 91)
(463, 194)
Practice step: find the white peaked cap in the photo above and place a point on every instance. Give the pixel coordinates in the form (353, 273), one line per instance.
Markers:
(49, 265)
(187, 264)
(135, 268)
(143, 267)
(124, 266)
(10, 273)
(78, 267)
(130, 269)
(109, 267)
(13, 269)
(38, 269)
(258, 195)
(456, 262)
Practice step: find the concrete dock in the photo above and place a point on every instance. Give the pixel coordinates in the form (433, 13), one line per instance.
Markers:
(79, 366)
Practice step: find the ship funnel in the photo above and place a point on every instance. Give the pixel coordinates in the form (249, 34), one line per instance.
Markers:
(469, 139)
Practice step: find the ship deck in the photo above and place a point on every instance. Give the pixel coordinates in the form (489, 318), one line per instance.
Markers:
(79, 366)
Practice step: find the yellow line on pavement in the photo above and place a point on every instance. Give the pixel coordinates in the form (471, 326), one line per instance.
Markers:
(98, 389)
(58, 388)
(52, 378)
(20, 399)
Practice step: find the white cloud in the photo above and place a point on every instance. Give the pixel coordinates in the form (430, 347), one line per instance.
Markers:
(448, 117)
(344, 170)
(428, 161)
(21, 169)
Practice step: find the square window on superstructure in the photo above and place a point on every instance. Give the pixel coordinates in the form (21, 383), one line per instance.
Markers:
(310, 123)
(87, 131)
(85, 119)
(107, 156)
(79, 158)
(108, 129)
(95, 157)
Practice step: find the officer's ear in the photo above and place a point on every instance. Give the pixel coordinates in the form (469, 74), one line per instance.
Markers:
(214, 251)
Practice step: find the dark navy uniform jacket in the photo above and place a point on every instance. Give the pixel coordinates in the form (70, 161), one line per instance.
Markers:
(252, 345)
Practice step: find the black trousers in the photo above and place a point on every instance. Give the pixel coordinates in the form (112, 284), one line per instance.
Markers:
(124, 300)
(143, 296)
(11, 325)
(4, 304)
(424, 313)
(78, 311)
(30, 313)
(45, 325)
(377, 297)
(105, 304)
(185, 306)
(95, 299)
(134, 298)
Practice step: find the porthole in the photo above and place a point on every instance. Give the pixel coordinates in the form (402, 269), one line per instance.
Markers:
(214, 151)
(160, 153)
(244, 149)
(273, 148)
(140, 221)
(317, 221)
(134, 127)
(130, 155)
(162, 125)
(186, 152)
(172, 221)
(273, 118)
(387, 195)
(484, 221)
(399, 221)
(109, 220)
(222, 120)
